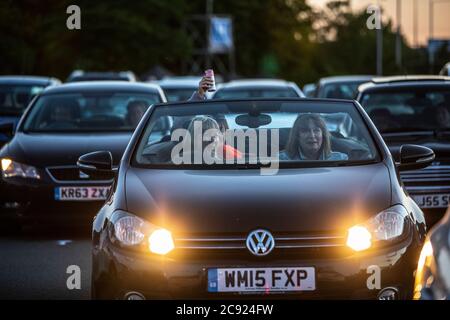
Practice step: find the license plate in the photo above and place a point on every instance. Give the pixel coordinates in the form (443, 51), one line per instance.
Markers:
(262, 280)
(81, 193)
(432, 200)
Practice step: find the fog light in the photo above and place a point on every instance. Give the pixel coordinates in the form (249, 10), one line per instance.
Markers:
(388, 294)
(359, 238)
(134, 296)
(161, 242)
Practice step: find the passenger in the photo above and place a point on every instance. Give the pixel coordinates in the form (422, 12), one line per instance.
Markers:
(63, 114)
(382, 118)
(220, 150)
(310, 140)
(442, 115)
(135, 111)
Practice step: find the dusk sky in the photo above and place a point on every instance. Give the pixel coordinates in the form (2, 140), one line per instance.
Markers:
(441, 16)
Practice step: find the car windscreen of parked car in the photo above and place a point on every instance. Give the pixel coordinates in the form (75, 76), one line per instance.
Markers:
(90, 112)
(340, 90)
(253, 132)
(413, 109)
(256, 93)
(178, 94)
(15, 98)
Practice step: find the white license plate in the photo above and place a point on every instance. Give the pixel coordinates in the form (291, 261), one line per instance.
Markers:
(81, 193)
(262, 280)
(432, 200)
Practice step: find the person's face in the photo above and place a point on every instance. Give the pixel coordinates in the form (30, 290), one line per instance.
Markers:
(136, 114)
(443, 117)
(310, 137)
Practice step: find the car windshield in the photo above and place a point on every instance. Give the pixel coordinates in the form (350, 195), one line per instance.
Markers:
(341, 90)
(179, 94)
(255, 133)
(88, 112)
(413, 109)
(245, 93)
(15, 98)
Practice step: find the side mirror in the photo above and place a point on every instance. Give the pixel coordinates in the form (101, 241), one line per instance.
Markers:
(97, 163)
(414, 157)
(7, 129)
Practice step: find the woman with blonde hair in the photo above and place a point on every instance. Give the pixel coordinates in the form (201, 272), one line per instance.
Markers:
(310, 140)
(219, 150)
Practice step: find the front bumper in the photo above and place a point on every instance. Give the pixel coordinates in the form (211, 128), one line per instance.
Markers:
(32, 201)
(117, 272)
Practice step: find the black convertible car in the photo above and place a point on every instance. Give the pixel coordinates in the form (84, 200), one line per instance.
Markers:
(415, 109)
(254, 198)
(40, 180)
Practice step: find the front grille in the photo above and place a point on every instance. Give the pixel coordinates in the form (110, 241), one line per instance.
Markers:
(72, 173)
(287, 246)
(432, 175)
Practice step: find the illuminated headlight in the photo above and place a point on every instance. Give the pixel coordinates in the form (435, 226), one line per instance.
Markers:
(11, 169)
(132, 231)
(388, 225)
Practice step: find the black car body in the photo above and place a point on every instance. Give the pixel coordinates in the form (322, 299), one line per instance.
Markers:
(40, 179)
(433, 271)
(170, 232)
(340, 87)
(405, 110)
(16, 92)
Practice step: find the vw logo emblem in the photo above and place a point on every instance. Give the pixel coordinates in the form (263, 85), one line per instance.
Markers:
(260, 242)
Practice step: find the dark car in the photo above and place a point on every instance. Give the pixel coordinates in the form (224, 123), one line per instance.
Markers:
(433, 270)
(415, 109)
(16, 92)
(257, 88)
(251, 210)
(340, 87)
(80, 75)
(39, 175)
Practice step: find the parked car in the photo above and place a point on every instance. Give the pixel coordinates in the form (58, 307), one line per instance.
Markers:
(16, 92)
(257, 88)
(179, 88)
(80, 75)
(195, 216)
(341, 87)
(415, 109)
(433, 271)
(39, 175)
(310, 90)
(445, 70)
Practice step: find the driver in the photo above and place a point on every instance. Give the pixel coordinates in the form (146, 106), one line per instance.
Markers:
(135, 111)
(310, 140)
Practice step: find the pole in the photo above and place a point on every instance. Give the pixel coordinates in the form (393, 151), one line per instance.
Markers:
(415, 24)
(398, 43)
(209, 13)
(380, 44)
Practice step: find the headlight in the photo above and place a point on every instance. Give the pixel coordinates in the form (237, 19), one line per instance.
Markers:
(388, 225)
(12, 169)
(424, 274)
(132, 231)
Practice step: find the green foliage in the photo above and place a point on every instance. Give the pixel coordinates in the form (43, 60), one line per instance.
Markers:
(280, 38)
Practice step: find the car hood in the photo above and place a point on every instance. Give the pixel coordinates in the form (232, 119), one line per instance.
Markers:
(294, 200)
(42, 150)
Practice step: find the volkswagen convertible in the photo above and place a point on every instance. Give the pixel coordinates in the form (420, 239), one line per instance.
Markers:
(256, 198)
